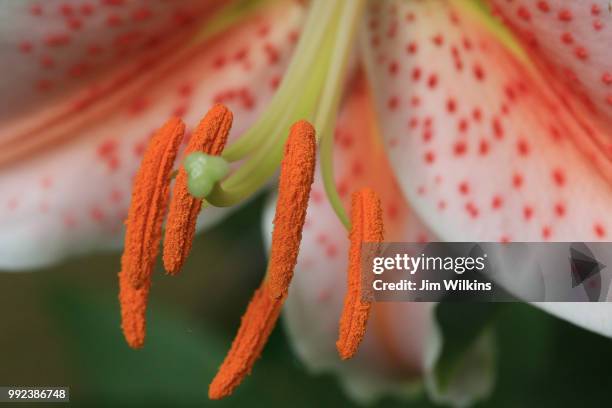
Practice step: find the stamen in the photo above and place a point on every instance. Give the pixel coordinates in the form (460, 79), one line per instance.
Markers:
(149, 202)
(150, 195)
(255, 328)
(133, 310)
(297, 174)
(367, 226)
(210, 137)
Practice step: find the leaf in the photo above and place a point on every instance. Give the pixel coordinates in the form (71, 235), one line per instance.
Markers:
(461, 325)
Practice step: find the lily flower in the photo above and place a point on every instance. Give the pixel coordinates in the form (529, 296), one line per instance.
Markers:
(460, 132)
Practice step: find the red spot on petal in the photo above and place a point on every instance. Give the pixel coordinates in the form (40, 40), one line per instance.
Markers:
(498, 129)
(272, 53)
(479, 72)
(582, 53)
(107, 148)
(497, 202)
(560, 209)
(438, 40)
(36, 10)
(393, 103)
(565, 15)
(567, 38)
(432, 81)
(472, 210)
(331, 251)
(411, 48)
(523, 147)
(523, 13)
(96, 214)
(460, 148)
(25, 47)
(517, 180)
(86, 9)
(393, 68)
(527, 212)
(595, 9)
(57, 40)
(483, 147)
(558, 177)
(543, 6)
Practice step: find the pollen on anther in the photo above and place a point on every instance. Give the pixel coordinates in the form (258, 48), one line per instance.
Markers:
(367, 227)
(209, 137)
(144, 227)
(296, 177)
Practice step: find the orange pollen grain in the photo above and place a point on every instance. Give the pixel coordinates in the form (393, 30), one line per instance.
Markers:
(367, 227)
(150, 194)
(297, 174)
(210, 137)
(255, 328)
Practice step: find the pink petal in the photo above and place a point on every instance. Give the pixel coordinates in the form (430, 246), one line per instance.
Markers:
(481, 146)
(53, 48)
(570, 43)
(393, 352)
(70, 194)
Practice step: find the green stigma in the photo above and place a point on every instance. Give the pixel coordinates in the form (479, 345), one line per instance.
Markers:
(203, 171)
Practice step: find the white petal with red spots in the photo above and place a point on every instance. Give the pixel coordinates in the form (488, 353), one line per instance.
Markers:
(53, 47)
(570, 41)
(71, 194)
(402, 342)
(482, 148)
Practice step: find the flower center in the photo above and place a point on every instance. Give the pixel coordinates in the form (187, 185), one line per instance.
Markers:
(311, 89)
(306, 93)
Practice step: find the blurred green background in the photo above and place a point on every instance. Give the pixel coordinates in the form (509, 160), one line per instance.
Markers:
(61, 327)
